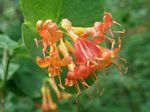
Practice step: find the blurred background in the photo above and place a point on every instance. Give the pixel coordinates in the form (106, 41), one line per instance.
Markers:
(127, 93)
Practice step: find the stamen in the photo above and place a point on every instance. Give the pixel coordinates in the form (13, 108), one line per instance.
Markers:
(122, 59)
(88, 50)
(78, 89)
(118, 32)
(83, 50)
(84, 83)
(88, 62)
(116, 23)
(101, 59)
(60, 84)
(36, 42)
(98, 82)
(111, 33)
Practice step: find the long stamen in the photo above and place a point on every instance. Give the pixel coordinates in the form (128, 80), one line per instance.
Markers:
(88, 50)
(98, 81)
(116, 23)
(84, 83)
(60, 85)
(83, 50)
(78, 89)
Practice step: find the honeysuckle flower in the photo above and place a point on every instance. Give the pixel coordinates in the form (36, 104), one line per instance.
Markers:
(85, 51)
(75, 72)
(49, 32)
(81, 55)
(111, 57)
(47, 103)
(98, 30)
(53, 61)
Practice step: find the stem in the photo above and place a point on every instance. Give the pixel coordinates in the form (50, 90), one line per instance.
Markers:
(2, 101)
(5, 65)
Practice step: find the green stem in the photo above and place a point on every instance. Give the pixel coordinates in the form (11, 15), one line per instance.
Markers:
(5, 65)
(2, 101)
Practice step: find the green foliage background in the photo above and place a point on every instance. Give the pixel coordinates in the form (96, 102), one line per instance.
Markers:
(128, 93)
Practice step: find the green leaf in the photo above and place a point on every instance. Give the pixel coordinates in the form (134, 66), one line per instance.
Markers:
(29, 77)
(7, 43)
(78, 11)
(28, 84)
(12, 69)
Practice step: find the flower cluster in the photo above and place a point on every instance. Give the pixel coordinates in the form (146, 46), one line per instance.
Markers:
(81, 49)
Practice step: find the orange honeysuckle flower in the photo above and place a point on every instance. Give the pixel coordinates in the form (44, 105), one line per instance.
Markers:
(53, 62)
(110, 56)
(76, 72)
(47, 103)
(81, 56)
(85, 51)
(49, 32)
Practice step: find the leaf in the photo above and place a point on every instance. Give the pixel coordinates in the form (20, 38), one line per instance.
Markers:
(12, 69)
(7, 43)
(78, 11)
(28, 78)
(28, 84)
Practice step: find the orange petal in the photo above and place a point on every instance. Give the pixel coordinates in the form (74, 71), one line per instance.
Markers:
(41, 62)
(69, 46)
(57, 36)
(66, 61)
(39, 25)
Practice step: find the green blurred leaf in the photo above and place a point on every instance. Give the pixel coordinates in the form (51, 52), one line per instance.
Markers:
(29, 77)
(28, 84)
(7, 43)
(13, 67)
(78, 11)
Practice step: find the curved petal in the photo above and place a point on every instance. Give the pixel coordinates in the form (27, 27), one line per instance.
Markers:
(66, 61)
(41, 62)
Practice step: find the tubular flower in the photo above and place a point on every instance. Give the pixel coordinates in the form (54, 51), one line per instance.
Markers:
(49, 32)
(53, 61)
(75, 72)
(85, 52)
(47, 103)
(110, 57)
(80, 55)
